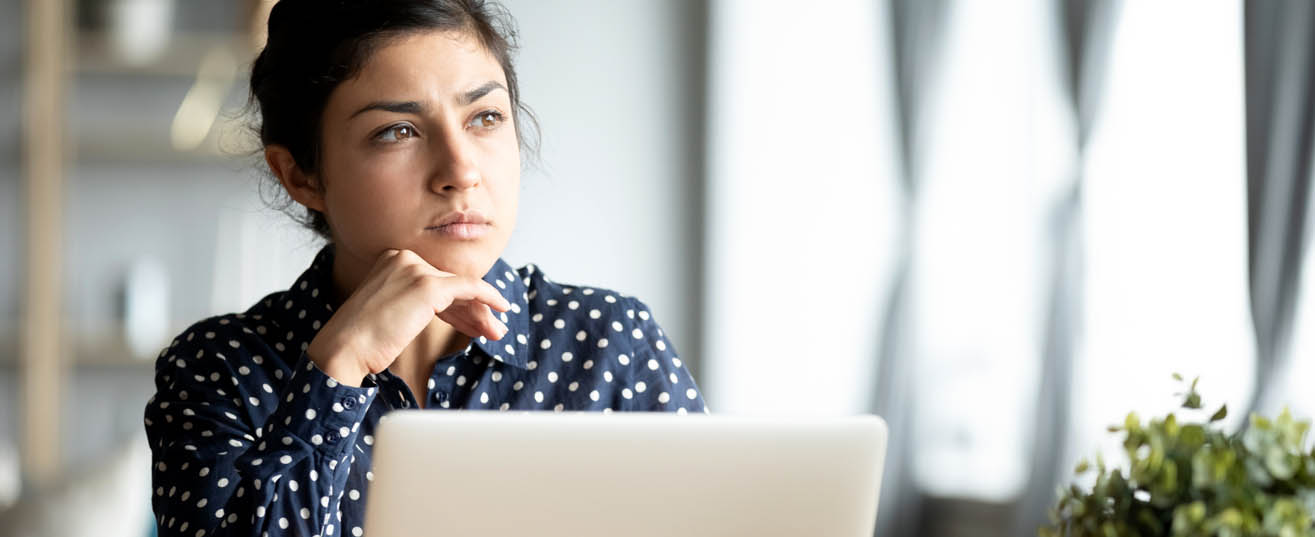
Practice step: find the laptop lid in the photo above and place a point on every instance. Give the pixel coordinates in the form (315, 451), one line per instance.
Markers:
(636, 474)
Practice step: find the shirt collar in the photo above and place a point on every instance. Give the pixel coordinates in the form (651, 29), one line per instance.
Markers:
(313, 294)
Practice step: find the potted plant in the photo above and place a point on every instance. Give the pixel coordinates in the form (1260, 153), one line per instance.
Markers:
(1193, 479)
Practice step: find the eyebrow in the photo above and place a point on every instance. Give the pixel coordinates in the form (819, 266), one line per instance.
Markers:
(416, 108)
(474, 95)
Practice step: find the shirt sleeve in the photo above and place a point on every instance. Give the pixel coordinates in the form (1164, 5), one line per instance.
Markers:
(659, 378)
(232, 454)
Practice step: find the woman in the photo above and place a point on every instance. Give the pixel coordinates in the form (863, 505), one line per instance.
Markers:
(396, 125)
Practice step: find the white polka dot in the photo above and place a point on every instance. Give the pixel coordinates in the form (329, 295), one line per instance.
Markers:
(552, 377)
(616, 325)
(664, 397)
(537, 317)
(354, 494)
(594, 314)
(461, 380)
(652, 364)
(574, 386)
(518, 385)
(626, 393)
(356, 531)
(567, 356)
(223, 482)
(588, 364)
(538, 397)
(544, 344)
(636, 333)
(310, 413)
(661, 345)
(675, 362)
(643, 315)
(305, 513)
(520, 338)
(283, 523)
(625, 360)
(286, 459)
(640, 387)
(552, 302)
(607, 375)
(579, 336)
(602, 343)
(691, 393)
(573, 305)
(610, 299)
(484, 398)
(496, 376)
(292, 485)
(559, 324)
(316, 440)
(593, 395)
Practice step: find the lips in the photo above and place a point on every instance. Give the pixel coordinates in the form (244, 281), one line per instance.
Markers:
(462, 225)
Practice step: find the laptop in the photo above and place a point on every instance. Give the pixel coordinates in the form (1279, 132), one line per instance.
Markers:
(551, 474)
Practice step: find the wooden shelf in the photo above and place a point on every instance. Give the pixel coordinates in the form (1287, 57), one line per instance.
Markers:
(103, 348)
(181, 58)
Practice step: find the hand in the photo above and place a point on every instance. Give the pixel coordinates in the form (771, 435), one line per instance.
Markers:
(396, 301)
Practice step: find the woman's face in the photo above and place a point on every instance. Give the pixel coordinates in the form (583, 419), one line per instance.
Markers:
(420, 153)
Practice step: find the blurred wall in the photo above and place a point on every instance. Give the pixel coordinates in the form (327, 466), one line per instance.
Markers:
(617, 200)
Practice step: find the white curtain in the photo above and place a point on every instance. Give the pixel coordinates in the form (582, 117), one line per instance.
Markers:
(802, 212)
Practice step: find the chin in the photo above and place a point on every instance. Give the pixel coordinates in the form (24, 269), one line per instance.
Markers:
(449, 259)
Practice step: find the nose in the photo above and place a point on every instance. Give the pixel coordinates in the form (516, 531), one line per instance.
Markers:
(456, 168)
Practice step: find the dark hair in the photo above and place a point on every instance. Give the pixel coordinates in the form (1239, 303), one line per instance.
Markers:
(315, 45)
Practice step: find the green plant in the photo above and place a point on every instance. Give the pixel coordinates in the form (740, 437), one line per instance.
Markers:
(1191, 479)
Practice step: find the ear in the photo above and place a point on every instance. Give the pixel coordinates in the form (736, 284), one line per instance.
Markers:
(304, 189)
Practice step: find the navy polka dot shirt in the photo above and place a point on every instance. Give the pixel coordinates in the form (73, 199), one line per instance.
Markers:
(250, 438)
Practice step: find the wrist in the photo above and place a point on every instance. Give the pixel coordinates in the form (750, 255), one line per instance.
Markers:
(337, 362)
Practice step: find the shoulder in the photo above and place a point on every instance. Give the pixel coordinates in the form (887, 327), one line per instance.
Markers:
(605, 317)
(233, 345)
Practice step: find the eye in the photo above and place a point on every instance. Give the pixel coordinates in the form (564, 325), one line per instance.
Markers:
(396, 133)
(486, 120)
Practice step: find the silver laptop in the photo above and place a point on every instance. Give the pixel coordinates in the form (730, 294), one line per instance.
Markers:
(635, 474)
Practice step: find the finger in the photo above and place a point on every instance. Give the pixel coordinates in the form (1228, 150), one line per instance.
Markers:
(480, 315)
(475, 289)
(461, 325)
(470, 328)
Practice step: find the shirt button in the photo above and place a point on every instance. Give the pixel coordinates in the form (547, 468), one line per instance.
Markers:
(441, 397)
(331, 437)
(348, 403)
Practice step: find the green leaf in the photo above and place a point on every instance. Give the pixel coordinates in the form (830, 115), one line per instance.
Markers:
(1186, 477)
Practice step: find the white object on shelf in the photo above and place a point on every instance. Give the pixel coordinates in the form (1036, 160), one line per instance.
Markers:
(146, 307)
(258, 251)
(139, 30)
